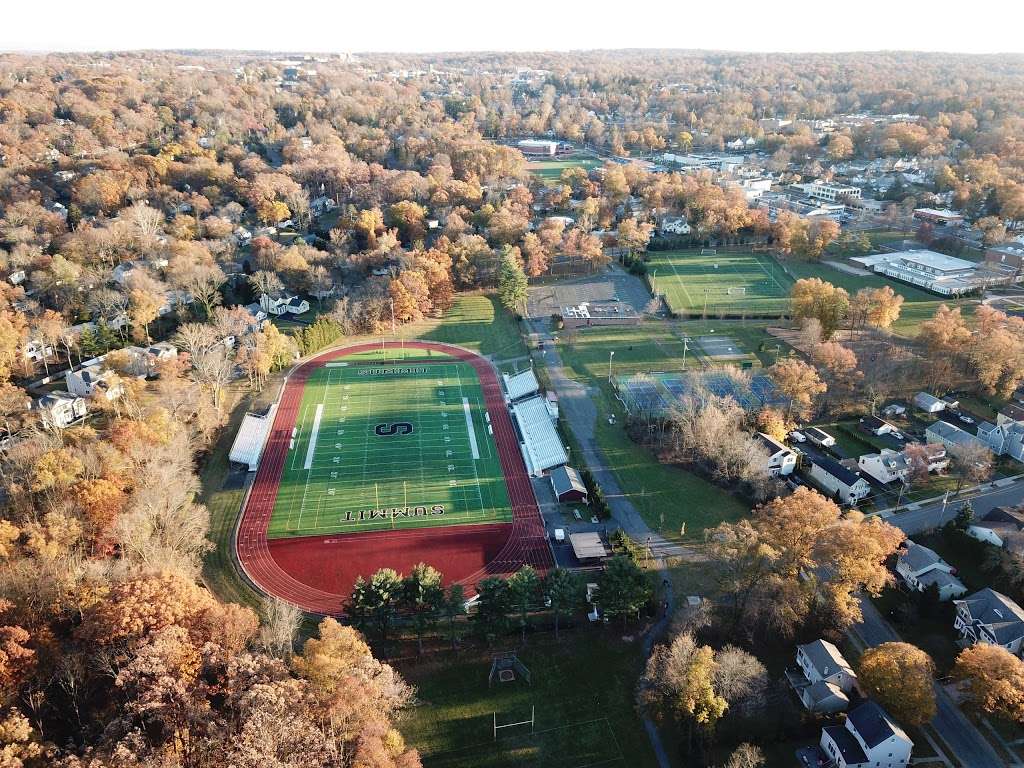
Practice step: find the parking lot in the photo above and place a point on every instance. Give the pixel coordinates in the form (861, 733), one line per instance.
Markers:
(612, 285)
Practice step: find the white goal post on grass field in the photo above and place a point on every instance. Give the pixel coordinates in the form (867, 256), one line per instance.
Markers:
(530, 722)
(708, 251)
(737, 290)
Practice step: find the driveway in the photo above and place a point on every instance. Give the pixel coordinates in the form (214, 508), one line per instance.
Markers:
(959, 734)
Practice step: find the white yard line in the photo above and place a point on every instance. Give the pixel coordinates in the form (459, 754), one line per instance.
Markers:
(469, 425)
(311, 448)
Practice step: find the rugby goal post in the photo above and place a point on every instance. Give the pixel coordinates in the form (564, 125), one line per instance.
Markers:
(737, 290)
(530, 722)
(708, 251)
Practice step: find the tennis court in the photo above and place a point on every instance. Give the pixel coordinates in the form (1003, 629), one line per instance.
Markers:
(653, 394)
(720, 283)
(388, 446)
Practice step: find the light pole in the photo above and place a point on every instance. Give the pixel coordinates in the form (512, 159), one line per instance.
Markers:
(686, 340)
(611, 354)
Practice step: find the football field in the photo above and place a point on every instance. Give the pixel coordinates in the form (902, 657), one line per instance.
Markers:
(724, 283)
(389, 446)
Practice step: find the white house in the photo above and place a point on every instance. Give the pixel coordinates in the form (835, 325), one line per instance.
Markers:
(36, 350)
(894, 409)
(321, 205)
(91, 379)
(870, 737)
(825, 678)
(837, 481)
(820, 437)
(877, 426)
(886, 466)
(781, 459)
(281, 303)
(1005, 438)
(1002, 527)
(928, 403)
(921, 568)
(675, 225)
(61, 409)
(259, 317)
(990, 617)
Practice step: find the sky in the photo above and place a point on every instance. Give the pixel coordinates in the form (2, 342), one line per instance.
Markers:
(980, 26)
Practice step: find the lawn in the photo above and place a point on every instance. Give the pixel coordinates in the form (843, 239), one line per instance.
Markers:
(582, 692)
(383, 446)
(478, 322)
(550, 171)
(666, 496)
(918, 305)
(721, 284)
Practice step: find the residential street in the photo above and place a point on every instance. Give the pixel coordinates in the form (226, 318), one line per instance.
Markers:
(956, 731)
(983, 501)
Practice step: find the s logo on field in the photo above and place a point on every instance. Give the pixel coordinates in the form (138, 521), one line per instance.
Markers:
(394, 428)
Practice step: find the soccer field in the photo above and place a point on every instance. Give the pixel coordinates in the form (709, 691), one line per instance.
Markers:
(389, 445)
(724, 283)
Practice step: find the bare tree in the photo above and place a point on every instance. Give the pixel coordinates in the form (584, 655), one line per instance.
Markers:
(280, 627)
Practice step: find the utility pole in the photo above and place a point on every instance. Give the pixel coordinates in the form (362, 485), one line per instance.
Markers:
(611, 354)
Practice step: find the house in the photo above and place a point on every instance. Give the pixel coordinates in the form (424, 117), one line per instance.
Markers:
(820, 437)
(886, 466)
(674, 225)
(61, 409)
(321, 205)
(894, 409)
(921, 568)
(36, 350)
(281, 303)
(568, 485)
(1001, 527)
(838, 481)
(92, 379)
(781, 460)
(870, 737)
(876, 426)
(990, 617)
(928, 403)
(123, 271)
(1003, 439)
(824, 679)
(951, 436)
(259, 317)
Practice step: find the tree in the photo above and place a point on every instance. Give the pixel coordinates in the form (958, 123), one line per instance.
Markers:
(972, 463)
(524, 588)
(376, 601)
(745, 756)
(813, 297)
(280, 627)
(901, 677)
(422, 598)
(622, 588)
(511, 282)
(566, 591)
(992, 679)
(494, 602)
(453, 606)
(881, 305)
(266, 282)
(143, 308)
(799, 382)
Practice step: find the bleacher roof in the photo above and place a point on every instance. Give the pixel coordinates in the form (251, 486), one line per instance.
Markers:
(520, 384)
(248, 445)
(544, 448)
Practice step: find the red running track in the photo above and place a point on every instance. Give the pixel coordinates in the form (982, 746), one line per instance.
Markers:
(316, 572)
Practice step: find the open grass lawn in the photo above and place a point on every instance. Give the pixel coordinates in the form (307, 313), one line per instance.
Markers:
(550, 171)
(918, 305)
(582, 691)
(478, 322)
(391, 445)
(724, 283)
(666, 496)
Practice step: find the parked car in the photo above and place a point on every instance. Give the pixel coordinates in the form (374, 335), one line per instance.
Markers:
(800, 437)
(965, 418)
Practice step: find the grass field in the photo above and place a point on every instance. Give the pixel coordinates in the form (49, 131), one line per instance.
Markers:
(583, 694)
(551, 170)
(389, 445)
(725, 283)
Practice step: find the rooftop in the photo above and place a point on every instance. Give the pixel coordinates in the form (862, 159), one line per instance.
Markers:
(874, 724)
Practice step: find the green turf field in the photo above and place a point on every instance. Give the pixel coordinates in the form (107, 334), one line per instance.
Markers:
(389, 445)
(550, 170)
(724, 283)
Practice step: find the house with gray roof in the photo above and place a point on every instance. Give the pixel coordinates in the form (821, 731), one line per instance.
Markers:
(928, 403)
(1005, 438)
(920, 568)
(824, 678)
(870, 737)
(951, 436)
(990, 617)
(837, 481)
(1001, 527)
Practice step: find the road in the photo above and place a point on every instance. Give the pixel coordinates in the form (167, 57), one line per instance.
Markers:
(958, 733)
(934, 515)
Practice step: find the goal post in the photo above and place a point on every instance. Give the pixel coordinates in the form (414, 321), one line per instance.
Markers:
(708, 251)
(737, 290)
(530, 722)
